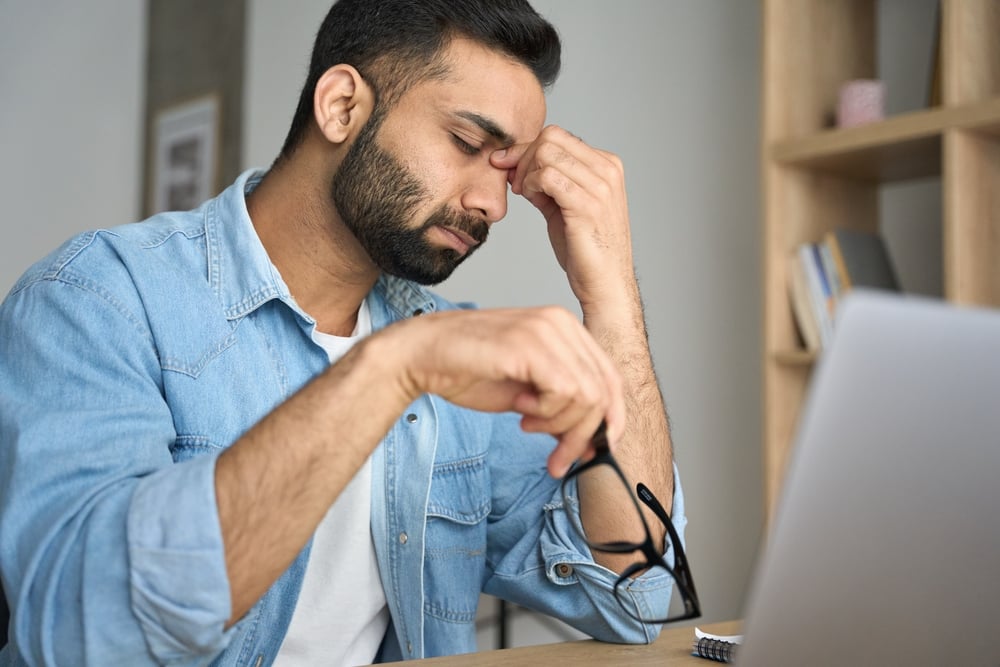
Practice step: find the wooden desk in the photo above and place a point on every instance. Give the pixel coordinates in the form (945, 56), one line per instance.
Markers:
(673, 647)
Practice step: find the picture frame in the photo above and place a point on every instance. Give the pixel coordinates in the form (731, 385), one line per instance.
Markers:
(185, 160)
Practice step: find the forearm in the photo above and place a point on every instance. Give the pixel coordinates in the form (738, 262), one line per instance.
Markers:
(580, 191)
(282, 476)
(644, 451)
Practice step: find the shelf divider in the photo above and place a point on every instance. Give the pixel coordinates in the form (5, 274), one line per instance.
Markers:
(902, 147)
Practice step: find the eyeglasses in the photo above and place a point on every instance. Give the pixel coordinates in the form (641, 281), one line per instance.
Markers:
(605, 485)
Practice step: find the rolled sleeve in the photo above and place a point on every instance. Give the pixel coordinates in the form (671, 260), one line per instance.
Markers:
(174, 544)
(568, 561)
(539, 561)
(111, 552)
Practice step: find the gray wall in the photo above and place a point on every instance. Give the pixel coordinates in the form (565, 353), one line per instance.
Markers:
(672, 87)
(910, 211)
(71, 104)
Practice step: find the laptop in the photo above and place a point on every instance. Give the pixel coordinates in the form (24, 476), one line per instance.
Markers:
(885, 547)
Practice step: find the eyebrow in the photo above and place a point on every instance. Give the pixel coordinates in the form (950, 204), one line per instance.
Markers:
(488, 126)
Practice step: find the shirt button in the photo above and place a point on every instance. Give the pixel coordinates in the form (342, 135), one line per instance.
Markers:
(402, 538)
(412, 418)
(564, 570)
(409, 647)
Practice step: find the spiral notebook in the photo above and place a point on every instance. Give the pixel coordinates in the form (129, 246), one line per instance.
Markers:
(721, 648)
(885, 544)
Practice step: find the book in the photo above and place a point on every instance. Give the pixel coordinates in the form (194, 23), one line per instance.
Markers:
(820, 274)
(830, 270)
(825, 281)
(862, 260)
(721, 648)
(819, 291)
(802, 308)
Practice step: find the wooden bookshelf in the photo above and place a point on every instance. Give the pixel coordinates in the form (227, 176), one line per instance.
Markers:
(815, 178)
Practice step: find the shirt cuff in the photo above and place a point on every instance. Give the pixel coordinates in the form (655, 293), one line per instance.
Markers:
(179, 584)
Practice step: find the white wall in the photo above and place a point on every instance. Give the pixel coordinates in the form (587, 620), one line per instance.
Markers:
(71, 104)
(672, 87)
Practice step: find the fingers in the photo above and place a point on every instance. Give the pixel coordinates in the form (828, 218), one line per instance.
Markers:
(558, 162)
(581, 193)
(594, 392)
(588, 375)
(540, 362)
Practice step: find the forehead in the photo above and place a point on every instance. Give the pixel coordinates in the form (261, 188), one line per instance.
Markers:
(486, 83)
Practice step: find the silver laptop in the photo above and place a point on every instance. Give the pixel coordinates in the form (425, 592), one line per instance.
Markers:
(885, 548)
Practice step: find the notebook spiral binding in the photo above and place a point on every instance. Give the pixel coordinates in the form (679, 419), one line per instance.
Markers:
(715, 649)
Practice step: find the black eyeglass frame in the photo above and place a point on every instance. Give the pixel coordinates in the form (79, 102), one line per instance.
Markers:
(680, 572)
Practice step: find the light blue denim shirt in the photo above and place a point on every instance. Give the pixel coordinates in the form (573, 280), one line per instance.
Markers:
(131, 357)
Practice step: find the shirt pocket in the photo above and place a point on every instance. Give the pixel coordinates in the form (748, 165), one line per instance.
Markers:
(455, 540)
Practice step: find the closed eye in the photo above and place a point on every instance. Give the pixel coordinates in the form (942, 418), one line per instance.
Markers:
(465, 146)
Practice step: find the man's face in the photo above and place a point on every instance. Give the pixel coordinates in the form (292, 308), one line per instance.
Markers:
(378, 197)
(417, 188)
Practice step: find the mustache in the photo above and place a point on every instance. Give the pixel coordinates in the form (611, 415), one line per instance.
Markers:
(463, 222)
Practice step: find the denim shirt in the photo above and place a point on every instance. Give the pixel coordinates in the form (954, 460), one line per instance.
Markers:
(131, 357)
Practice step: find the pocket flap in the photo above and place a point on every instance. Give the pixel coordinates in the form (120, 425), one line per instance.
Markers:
(460, 490)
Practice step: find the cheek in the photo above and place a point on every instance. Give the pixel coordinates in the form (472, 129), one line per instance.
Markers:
(435, 166)
(439, 181)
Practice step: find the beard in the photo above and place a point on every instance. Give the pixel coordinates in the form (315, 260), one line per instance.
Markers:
(376, 196)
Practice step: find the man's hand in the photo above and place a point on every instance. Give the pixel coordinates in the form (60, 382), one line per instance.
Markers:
(580, 191)
(540, 362)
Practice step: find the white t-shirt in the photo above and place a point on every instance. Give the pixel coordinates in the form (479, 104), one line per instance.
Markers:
(341, 614)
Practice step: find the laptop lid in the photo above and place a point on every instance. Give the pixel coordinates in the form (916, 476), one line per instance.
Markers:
(885, 548)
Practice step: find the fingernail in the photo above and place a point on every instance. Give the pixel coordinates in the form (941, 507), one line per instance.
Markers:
(500, 154)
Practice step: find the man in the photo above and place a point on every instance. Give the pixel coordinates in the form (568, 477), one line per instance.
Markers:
(246, 434)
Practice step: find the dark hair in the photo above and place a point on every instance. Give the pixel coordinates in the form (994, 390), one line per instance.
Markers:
(396, 43)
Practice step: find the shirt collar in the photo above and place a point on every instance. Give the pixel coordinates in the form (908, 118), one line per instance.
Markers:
(239, 269)
(241, 273)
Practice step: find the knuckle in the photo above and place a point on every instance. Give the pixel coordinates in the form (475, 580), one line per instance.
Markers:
(553, 313)
(551, 180)
(611, 173)
(616, 163)
(593, 395)
(603, 189)
(563, 390)
(551, 131)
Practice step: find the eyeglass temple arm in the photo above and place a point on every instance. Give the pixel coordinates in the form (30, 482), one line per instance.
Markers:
(680, 559)
(651, 501)
(600, 439)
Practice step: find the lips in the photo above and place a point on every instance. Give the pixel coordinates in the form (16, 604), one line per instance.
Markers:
(463, 236)
(458, 240)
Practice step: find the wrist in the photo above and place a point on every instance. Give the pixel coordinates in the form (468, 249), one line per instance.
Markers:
(385, 359)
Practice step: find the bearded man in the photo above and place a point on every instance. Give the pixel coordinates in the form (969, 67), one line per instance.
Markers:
(248, 434)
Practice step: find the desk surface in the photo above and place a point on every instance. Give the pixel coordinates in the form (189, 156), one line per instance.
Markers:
(673, 647)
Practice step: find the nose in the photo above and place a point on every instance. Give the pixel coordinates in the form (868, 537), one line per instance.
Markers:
(486, 196)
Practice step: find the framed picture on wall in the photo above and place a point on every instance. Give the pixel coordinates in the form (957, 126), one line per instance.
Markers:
(185, 154)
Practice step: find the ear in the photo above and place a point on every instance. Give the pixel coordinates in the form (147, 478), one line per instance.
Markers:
(342, 103)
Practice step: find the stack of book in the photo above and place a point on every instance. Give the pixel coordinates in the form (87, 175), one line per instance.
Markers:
(821, 274)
